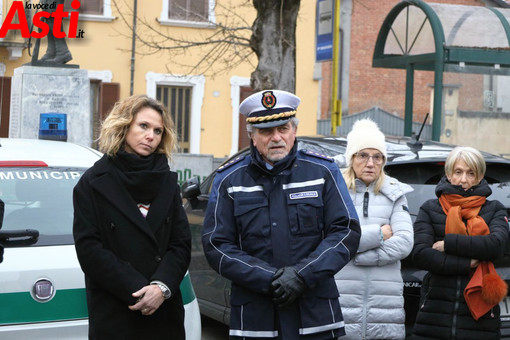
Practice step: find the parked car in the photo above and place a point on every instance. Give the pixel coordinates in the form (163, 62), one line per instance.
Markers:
(420, 164)
(42, 287)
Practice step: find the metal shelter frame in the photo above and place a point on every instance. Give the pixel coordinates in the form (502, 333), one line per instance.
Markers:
(442, 37)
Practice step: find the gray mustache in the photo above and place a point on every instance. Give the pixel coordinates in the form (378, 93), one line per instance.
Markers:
(272, 144)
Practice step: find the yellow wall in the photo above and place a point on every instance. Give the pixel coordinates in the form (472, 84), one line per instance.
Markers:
(107, 46)
(306, 88)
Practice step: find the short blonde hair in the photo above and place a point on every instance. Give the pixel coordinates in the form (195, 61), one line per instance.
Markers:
(350, 177)
(115, 126)
(472, 157)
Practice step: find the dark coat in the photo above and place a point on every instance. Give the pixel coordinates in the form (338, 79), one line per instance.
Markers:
(443, 311)
(298, 214)
(120, 252)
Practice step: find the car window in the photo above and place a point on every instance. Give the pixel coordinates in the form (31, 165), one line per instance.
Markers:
(41, 199)
(416, 173)
(206, 186)
(327, 149)
(497, 172)
(420, 194)
(501, 192)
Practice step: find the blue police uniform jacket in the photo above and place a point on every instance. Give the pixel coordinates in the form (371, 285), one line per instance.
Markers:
(297, 214)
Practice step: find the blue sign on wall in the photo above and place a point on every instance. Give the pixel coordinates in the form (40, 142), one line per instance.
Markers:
(324, 30)
(53, 126)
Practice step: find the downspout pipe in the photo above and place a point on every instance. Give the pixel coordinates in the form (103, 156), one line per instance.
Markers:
(133, 46)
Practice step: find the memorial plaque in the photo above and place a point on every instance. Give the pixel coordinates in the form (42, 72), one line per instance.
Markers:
(37, 90)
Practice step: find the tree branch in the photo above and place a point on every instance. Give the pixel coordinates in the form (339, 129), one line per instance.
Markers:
(227, 46)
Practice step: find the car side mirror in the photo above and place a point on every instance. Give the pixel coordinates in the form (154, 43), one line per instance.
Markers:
(17, 238)
(191, 188)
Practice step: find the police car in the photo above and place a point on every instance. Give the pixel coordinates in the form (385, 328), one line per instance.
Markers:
(42, 288)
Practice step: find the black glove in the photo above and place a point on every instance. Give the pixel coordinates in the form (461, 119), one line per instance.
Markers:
(287, 286)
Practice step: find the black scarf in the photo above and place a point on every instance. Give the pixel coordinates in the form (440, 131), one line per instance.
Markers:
(141, 176)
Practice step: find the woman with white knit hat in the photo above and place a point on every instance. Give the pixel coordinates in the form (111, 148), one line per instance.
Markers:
(371, 285)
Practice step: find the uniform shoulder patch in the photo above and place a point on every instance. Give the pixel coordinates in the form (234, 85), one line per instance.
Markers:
(317, 155)
(230, 163)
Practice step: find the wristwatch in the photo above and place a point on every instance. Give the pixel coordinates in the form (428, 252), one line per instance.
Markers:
(166, 292)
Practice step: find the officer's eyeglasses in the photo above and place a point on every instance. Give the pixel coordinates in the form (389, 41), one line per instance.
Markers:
(363, 157)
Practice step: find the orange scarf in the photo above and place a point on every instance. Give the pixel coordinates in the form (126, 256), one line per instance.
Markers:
(457, 209)
(486, 288)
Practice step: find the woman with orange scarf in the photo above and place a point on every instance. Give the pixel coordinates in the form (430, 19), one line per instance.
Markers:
(456, 238)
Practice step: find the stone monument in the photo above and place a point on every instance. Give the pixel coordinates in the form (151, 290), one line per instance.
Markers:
(48, 85)
(37, 89)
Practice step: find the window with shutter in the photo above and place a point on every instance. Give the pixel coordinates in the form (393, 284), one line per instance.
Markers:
(92, 10)
(104, 95)
(244, 139)
(188, 10)
(5, 105)
(177, 100)
(94, 7)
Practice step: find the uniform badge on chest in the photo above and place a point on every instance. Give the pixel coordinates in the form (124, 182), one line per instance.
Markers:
(304, 194)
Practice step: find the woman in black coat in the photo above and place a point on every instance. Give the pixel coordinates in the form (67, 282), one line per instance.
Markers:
(131, 232)
(456, 236)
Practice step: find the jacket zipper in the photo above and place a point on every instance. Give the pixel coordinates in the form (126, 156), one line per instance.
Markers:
(456, 309)
(365, 203)
(365, 293)
(364, 315)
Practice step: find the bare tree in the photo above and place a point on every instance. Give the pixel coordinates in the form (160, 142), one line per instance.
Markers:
(233, 41)
(274, 42)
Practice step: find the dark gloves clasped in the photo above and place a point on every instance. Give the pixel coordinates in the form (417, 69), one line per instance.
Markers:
(287, 286)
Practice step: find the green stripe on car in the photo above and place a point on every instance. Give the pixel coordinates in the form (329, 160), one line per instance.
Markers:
(67, 304)
(188, 294)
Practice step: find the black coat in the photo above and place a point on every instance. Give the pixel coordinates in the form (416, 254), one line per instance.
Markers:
(120, 252)
(443, 312)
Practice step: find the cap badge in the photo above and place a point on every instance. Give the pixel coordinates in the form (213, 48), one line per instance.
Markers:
(268, 99)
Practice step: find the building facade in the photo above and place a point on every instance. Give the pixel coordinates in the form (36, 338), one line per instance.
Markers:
(204, 100)
(476, 107)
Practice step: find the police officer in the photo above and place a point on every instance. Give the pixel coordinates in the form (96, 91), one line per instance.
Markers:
(280, 223)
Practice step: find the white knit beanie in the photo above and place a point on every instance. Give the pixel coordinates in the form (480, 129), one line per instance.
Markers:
(364, 134)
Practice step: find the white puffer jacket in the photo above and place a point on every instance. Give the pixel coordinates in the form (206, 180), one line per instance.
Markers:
(371, 285)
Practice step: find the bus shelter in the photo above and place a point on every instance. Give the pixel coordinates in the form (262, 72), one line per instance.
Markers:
(442, 38)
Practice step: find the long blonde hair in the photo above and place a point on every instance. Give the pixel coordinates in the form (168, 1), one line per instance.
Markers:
(350, 177)
(115, 126)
